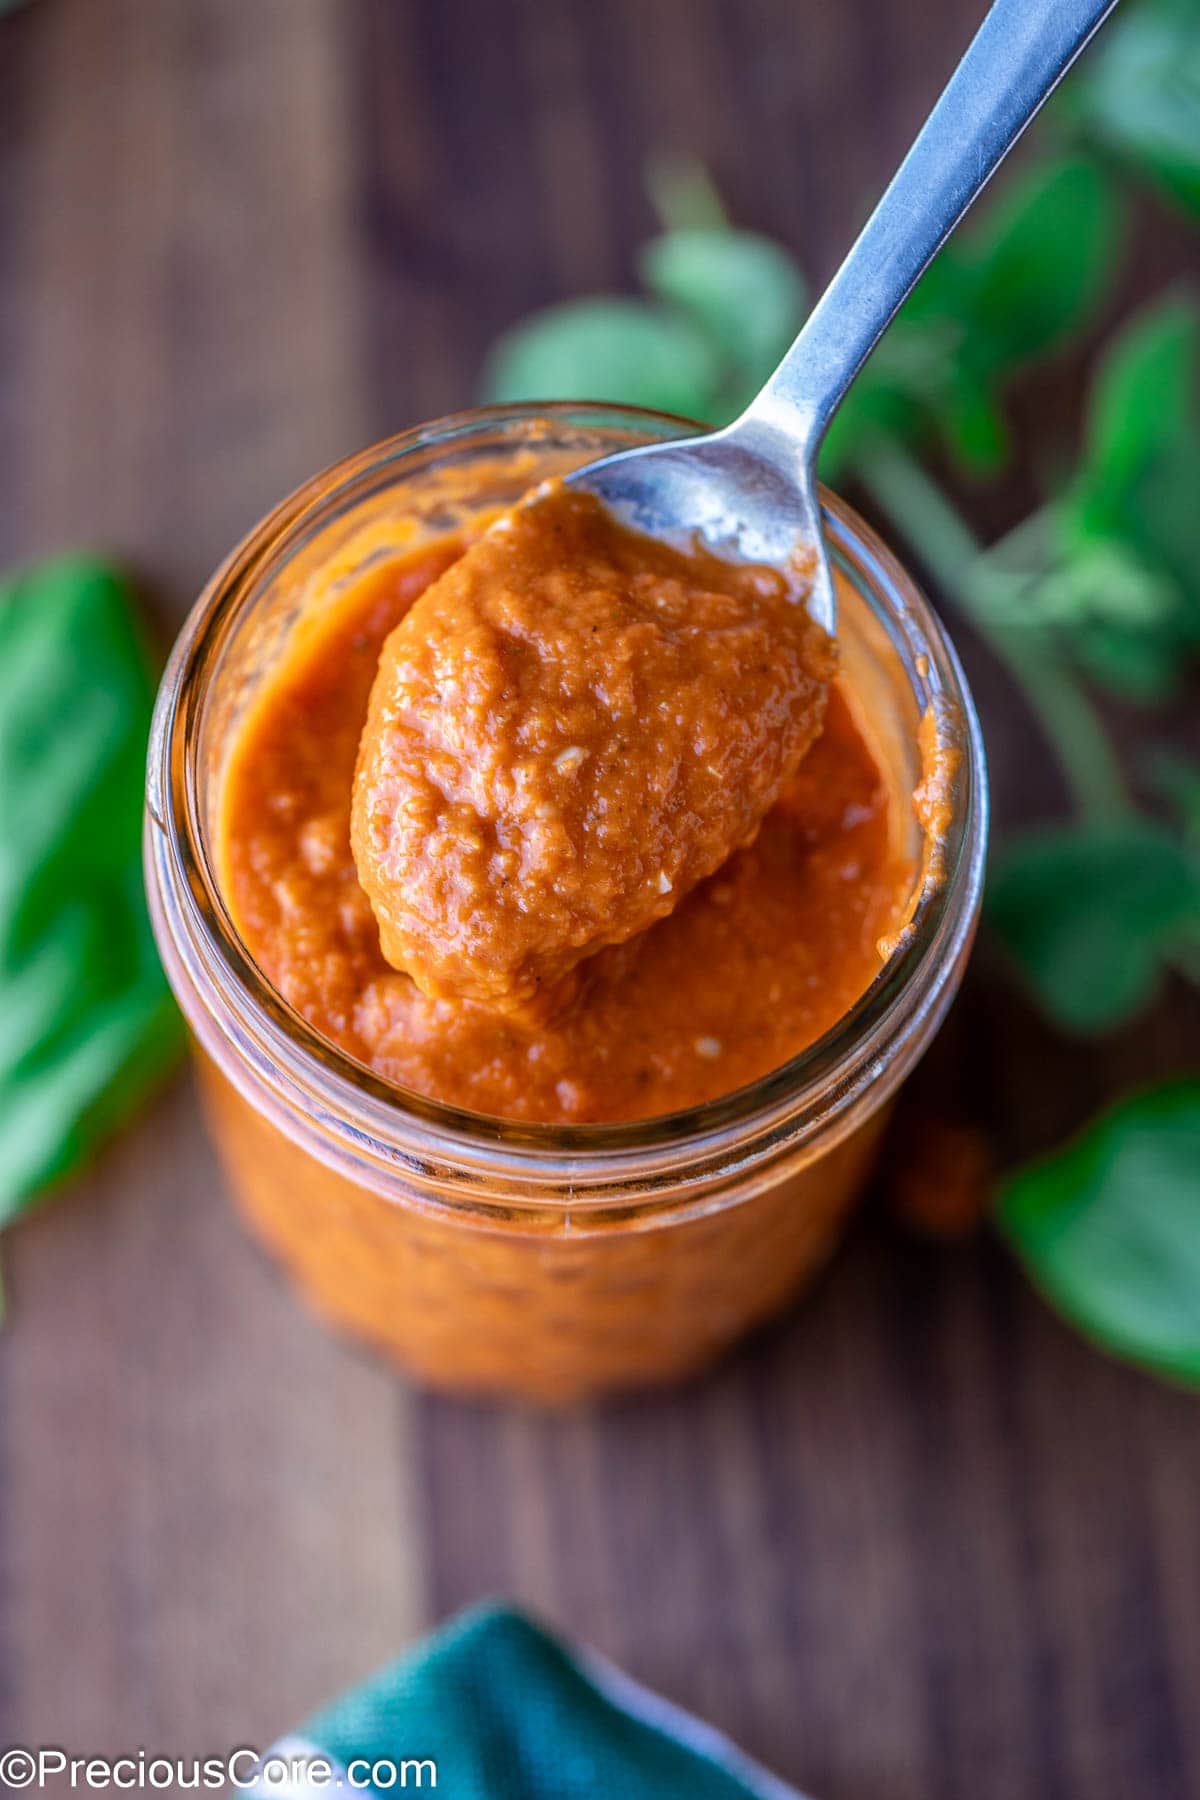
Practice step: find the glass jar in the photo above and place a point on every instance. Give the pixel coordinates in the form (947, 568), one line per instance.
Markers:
(488, 1255)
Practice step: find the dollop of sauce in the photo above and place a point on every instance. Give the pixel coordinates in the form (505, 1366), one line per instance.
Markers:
(572, 727)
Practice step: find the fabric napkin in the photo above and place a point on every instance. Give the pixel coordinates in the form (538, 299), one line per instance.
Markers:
(502, 1710)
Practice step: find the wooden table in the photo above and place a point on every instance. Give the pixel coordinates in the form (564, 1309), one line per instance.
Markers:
(917, 1540)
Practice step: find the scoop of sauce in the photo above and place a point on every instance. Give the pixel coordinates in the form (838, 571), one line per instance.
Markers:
(753, 965)
(572, 727)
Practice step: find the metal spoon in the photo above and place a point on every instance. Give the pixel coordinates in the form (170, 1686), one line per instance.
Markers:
(750, 490)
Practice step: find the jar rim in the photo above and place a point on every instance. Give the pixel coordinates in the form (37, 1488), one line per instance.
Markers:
(392, 1127)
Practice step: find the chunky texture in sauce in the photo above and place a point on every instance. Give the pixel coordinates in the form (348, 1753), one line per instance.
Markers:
(571, 728)
(751, 966)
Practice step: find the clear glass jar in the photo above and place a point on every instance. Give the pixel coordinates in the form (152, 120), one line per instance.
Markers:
(544, 1261)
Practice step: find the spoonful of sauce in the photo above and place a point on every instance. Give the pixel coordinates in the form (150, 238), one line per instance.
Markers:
(599, 702)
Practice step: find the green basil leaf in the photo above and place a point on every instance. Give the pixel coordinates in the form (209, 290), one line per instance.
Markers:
(87, 1024)
(743, 289)
(1122, 619)
(1041, 262)
(1141, 667)
(1145, 392)
(1109, 1229)
(1092, 914)
(624, 351)
(1134, 495)
(1139, 94)
(975, 429)
(1162, 518)
(1103, 579)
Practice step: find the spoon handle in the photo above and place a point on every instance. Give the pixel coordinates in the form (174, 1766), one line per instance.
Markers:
(1017, 56)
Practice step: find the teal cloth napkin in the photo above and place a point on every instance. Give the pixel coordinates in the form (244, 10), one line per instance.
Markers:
(504, 1711)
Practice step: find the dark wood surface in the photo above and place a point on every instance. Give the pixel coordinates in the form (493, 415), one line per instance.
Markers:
(915, 1541)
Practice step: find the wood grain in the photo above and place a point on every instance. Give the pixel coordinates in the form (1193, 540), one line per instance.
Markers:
(917, 1540)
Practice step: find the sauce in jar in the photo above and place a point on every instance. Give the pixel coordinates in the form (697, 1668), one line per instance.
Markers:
(755, 961)
(571, 1233)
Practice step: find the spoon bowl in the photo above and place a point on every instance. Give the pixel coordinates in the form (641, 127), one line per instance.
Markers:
(750, 491)
(743, 492)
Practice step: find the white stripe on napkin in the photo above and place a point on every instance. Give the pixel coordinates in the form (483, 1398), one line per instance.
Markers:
(673, 1721)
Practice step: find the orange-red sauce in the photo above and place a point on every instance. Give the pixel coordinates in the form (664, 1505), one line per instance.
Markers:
(754, 964)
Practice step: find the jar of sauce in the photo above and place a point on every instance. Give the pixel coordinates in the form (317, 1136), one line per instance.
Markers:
(549, 1209)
